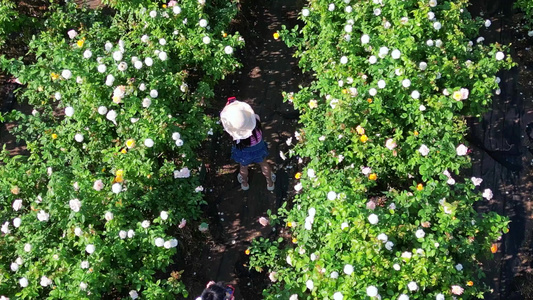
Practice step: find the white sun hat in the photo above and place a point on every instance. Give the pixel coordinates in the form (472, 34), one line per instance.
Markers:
(238, 119)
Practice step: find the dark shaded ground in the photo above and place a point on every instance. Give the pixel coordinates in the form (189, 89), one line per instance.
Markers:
(268, 69)
(503, 155)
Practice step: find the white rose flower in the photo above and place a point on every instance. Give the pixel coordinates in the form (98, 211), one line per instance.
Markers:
(461, 150)
(420, 234)
(148, 61)
(154, 93)
(412, 286)
(381, 84)
(372, 59)
(476, 181)
(431, 16)
(14, 266)
(57, 95)
(176, 135)
(90, 248)
(110, 79)
(122, 66)
(406, 83)
(78, 231)
(117, 56)
(179, 142)
(372, 291)
(83, 286)
(415, 94)
(373, 219)
(66, 74)
(78, 137)
(131, 233)
(45, 281)
(116, 188)
(102, 110)
(437, 25)
(149, 143)
(5, 228)
(108, 46)
(440, 297)
(16, 222)
(146, 102)
(396, 267)
(184, 87)
(334, 275)
(102, 68)
(389, 245)
(23, 282)
(163, 215)
(142, 87)
(424, 150)
(348, 269)
(432, 3)
(500, 55)
(176, 9)
(403, 297)
(138, 64)
(133, 294)
(122, 234)
(422, 65)
(153, 14)
(228, 50)
(338, 296)
(98, 185)
(438, 43)
(309, 284)
(332, 195)
(163, 55)
(395, 54)
(348, 28)
(17, 204)
(487, 194)
(84, 264)
(43, 216)
(75, 205)
(331, 7)
(459, 267)
(430, 43)
(72, 34)
(365, 39)
(145, 224)
(422, 107)
(383, 237)
(344, 60)
(167, 245)
(377, 12)
(487, 23)
(305, 12)
(202, 23)
(206, 40)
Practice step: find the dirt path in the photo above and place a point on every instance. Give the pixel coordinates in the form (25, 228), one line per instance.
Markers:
(503, 157)
(268, 70)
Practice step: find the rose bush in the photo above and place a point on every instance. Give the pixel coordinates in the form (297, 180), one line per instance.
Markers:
(527, 8)
(384, 209)
(97, 207)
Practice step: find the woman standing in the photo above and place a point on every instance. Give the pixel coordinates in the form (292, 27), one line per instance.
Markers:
(244, 126)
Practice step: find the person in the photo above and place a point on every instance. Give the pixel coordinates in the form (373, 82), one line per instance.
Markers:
(244, 126)
(217, 291)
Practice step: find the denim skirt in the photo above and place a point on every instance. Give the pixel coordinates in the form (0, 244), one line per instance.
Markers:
(249, 155)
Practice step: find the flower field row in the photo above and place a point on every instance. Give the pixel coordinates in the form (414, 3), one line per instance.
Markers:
(384, 209)
(98, 206)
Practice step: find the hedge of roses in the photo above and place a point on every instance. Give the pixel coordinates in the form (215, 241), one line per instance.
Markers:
(97, 207)
(384, 208)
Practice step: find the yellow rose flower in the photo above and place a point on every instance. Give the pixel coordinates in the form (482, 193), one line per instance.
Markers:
(119, 173)
(457, 95)
(81, 42)
(294, 240)
(54, 136)
(276, 35)
(297, 176)
(54, 76)
(364, 138)
(420, 187)
(130, 143)
(247, 251)
(123, 151)
(373, 176)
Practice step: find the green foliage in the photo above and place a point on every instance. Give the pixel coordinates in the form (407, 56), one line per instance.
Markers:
(527, 7)
(383, 201)
(113, 142)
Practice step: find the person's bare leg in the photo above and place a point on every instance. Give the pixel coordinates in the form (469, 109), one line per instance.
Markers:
(267, 171)
(244, 174)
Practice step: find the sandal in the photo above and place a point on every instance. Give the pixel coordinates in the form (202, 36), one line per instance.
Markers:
(273, 177)
(240, 180)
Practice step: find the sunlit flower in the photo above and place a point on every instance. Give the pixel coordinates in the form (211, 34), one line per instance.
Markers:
(395, 54)
(23, 282)
(338, 296)
(403, 297)
(78, 231)
(16, 222)
(102, 68)
(17, 204)
(373, 176)
(412, 286)
(153, 13)
(102, 110)
(457, 290)
(437, 25)
(305, 12)
(372, 59)
(424, 150)
(131, 233)
(390, 144)
(332, 195)
(383, 237)
(344, 60)
(363, 138)
(108, 216)
(313, 104)
(116, 188)
(420, 234)
(228, 50)
(432, 3)
(83, 286)
(176, 10)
